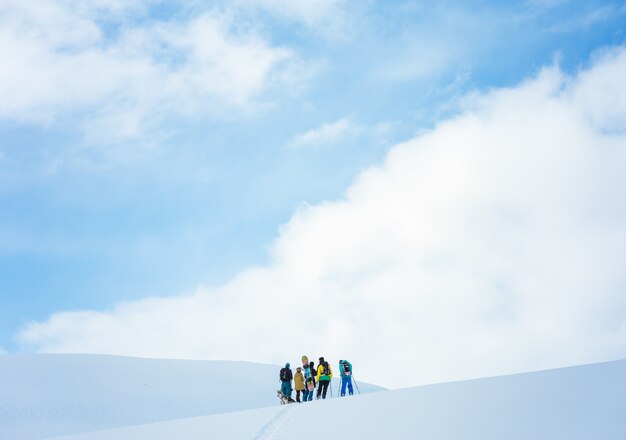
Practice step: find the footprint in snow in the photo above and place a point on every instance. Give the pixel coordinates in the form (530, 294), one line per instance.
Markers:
(271, 430)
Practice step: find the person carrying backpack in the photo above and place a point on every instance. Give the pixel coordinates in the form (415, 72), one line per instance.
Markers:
(309, 382)
(345, 368)
(285, 379)
(298, 381)
(324, 376)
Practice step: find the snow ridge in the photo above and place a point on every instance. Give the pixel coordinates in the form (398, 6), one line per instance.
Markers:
(47, 395)
(576, 403)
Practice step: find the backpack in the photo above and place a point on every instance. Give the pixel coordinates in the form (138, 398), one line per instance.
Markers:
(326, 370)
(346, 369)
(283, 374)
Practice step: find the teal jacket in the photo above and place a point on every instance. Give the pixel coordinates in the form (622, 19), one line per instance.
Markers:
(341, 369)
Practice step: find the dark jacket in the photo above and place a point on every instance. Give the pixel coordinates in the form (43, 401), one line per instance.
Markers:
(309, 373)
(286, 374)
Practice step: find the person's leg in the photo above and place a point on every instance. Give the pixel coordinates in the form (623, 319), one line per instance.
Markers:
(289, 388)
(298, 396)
(283, 388)
(343, 385)
(350, 390)
(319, 389)
(324, 384)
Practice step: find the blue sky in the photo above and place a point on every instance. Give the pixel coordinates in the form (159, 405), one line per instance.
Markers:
(148, 148)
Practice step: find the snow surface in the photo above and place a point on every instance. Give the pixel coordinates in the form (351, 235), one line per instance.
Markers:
(48, 395)
(587, 402)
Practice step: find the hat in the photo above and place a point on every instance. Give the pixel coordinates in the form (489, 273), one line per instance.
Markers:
(287, 365)
(298, 368)
(322, 359)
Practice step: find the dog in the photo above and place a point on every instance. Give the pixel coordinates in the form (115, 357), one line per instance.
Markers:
(284, 400)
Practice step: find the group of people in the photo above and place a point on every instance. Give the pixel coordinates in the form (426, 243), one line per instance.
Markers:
(308, 378)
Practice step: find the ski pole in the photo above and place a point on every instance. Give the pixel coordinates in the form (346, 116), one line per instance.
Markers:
(331, 388)
(355, 384)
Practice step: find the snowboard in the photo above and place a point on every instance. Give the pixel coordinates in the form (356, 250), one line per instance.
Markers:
(305, 361)
(310, 386)
(284, 400)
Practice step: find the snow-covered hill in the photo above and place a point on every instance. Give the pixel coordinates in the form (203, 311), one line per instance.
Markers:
(50, 395)
(587, 402)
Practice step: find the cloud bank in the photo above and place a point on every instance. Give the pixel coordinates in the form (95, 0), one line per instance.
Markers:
(494, 243)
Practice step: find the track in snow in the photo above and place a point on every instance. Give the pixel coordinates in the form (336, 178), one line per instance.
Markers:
(272, 429)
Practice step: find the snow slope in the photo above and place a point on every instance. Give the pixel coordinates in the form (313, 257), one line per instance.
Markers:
(47, 395)
(586, 402)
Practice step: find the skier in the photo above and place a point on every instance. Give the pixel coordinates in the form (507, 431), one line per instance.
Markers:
(345, 368)
(309, 379)
(324, 376)
(298, 381)
(285, 378)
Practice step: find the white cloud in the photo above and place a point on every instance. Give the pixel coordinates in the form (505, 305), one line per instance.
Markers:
(601, 86)
(60, 62)
(327, 133)
(492, 244)
(344, 130)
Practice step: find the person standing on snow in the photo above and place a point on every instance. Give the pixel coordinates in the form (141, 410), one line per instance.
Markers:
(345, 368)
(309, 382)
(298, 381)
(285, 379)
(324, 376)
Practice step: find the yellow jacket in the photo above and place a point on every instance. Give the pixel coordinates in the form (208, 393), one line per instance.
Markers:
(298, 380)
(321, 375)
